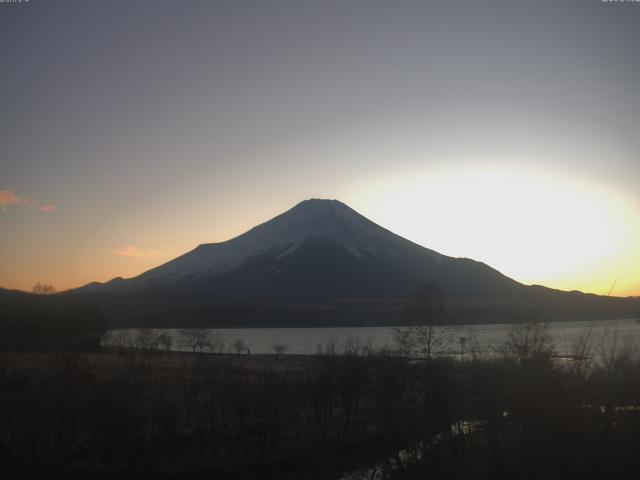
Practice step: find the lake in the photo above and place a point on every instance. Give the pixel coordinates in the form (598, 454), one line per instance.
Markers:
(484, 338)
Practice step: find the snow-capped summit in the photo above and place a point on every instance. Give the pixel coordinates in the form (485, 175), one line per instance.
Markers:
(309, 220)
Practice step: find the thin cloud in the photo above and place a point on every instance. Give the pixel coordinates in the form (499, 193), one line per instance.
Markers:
(9, 198)
(136, 252)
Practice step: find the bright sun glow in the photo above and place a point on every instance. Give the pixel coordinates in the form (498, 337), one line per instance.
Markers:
(531, 226)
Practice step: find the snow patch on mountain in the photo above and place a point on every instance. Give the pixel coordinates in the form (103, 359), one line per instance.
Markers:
(284, 234)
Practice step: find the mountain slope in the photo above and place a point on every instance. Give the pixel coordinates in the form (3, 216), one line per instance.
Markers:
(319, 262)
(311, 220)
(318, 248)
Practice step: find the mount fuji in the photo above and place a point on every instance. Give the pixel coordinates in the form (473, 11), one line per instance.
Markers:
(319, 263)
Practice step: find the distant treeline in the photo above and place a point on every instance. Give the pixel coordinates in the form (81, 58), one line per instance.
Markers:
(30, 322)
(177, 308)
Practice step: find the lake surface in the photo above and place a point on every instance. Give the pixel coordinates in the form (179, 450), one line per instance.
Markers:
(484, 338)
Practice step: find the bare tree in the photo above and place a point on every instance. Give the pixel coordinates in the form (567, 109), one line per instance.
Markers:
(581, 353)
(528, 340)
(116, 338)
(424, 311)
(43, 289)
(279, 348)
(329, 348)
(472, 346)
(165, 341)
(367, 347)
(239, 345)
(352, 345)
(216, 343)
(614, 353)
(197, 339)
(404, 340)
(147, 339)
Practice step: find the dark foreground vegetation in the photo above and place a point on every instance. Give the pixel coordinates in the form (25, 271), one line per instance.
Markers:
(42, 322)
(71, 409)
(131, 413)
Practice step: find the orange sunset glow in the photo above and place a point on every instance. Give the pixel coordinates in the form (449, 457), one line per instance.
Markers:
(523, 161)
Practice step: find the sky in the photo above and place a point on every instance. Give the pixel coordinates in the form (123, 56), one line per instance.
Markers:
(502, 131)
